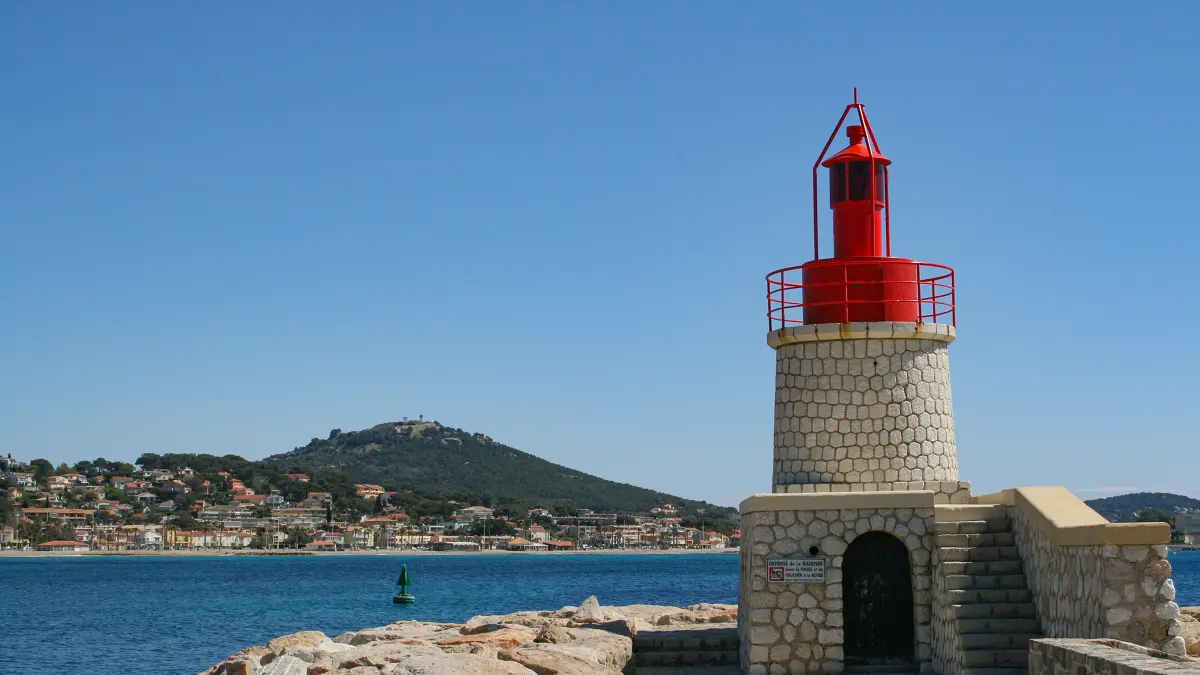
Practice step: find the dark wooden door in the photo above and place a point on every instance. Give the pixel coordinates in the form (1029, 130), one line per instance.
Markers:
(877, 587)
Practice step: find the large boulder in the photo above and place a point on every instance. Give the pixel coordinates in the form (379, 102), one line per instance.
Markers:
(237, 667)
(457, 664)
(554, 635)
(598, 647)
(301, 640)
(1189, 620)
(429, 632)
(589, 611)
(383, 654)
(285, 665)
(552, 662)
(504, 638)
(316, 652)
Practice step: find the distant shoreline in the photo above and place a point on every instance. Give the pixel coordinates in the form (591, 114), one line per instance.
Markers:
(385, 552)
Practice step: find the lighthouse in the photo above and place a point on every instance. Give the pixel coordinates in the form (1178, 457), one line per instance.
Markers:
(861, 341)
(869, 554)
(836, 560)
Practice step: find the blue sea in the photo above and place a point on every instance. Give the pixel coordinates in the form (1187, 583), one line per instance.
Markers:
(179, 615)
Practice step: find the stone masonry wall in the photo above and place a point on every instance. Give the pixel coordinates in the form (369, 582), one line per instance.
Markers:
(947, 644)
(1122, 592)
(798, 628)
(874, 411)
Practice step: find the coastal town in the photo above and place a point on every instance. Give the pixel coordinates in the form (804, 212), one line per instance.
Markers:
(118, 507)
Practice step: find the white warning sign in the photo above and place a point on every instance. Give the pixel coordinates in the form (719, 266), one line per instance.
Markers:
(796, 571)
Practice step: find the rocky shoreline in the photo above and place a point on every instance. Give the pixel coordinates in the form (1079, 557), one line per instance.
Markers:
(584, 640)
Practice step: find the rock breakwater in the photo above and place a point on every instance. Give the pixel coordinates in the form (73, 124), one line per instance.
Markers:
(589, 639)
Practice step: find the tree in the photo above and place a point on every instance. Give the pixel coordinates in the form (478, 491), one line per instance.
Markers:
(150, 460)
(491, 528)
(1152, 515)
(41, 469)
(297, 538)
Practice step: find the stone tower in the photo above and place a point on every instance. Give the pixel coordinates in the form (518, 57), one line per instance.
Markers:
(865, 407)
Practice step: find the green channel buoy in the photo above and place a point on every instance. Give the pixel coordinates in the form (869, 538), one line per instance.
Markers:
(403, 597)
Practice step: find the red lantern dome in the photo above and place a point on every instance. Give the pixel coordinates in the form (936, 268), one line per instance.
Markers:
(862, 282)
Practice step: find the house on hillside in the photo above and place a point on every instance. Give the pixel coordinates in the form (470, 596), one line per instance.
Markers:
(298, 477)
(369, 490)
(21, 479)
(174, 487)
(475, 513)
(57, 514)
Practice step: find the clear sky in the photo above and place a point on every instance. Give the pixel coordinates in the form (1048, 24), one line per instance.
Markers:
(231, 227)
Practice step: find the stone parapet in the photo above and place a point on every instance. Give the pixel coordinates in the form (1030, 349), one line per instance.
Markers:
(1091, 578)
(1067, 521)
(1103, 657)
(871, 411)
(945, 492)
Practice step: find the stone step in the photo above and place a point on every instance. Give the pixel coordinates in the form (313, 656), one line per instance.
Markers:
(697, 639)
(997, 640)
(972, 527)
(686, 658)
(982, 567)
(957, 582)
(952, 513)
(995, 610)
(970, 540)
(977, 553)
(985, 596)
(726, 669)
(996, 658)
(966, 626)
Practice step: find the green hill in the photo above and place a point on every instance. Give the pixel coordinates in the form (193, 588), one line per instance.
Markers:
(431, 457)
(1126, 508)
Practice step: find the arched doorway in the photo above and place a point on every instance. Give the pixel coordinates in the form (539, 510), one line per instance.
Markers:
(877, 587)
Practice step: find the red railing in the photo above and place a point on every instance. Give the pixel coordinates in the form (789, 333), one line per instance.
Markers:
(785, 299)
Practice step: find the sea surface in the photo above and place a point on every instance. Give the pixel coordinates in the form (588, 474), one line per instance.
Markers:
(93, 615)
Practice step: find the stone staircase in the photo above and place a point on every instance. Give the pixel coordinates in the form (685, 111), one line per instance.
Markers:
(689, 647)
(989, 603)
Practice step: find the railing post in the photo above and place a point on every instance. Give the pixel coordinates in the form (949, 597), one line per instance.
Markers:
(783, 298)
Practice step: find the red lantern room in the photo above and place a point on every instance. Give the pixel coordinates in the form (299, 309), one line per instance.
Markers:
(862, 281)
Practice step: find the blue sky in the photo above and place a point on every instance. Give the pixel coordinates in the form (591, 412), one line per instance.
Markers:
(229, 228)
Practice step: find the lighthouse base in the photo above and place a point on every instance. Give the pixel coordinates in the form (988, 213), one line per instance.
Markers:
(836, 580)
